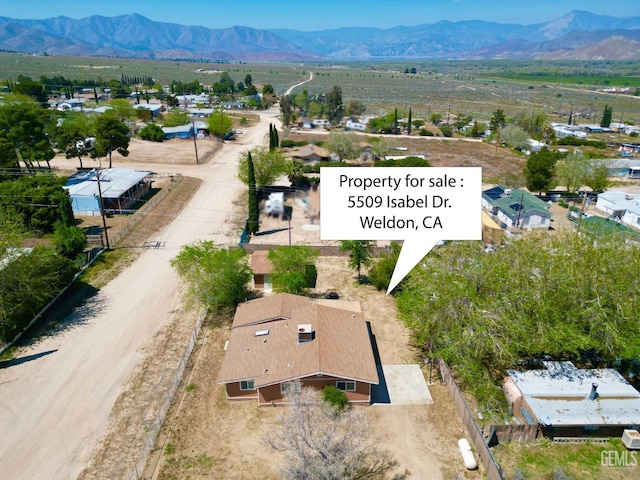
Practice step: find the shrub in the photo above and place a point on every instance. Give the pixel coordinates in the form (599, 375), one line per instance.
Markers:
(335, 397)
(446, 130)
(151, 132)
(68, 240)
(425, 133)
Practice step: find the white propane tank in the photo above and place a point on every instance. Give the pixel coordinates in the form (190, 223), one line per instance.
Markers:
(467, 455)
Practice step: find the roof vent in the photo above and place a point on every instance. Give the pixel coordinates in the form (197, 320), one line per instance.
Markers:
(507, 191)
(305, 333)
(594, 392)
(261, 333)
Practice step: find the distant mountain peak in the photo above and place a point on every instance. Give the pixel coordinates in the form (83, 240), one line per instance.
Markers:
(135, 35)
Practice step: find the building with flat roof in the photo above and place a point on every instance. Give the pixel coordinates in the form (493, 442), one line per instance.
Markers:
(568, 401)
(122, 189)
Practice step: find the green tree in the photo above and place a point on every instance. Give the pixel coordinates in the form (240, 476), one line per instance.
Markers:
(152, 132)
(515, 137)
(219, 124)
(293, 268)
(334, 106)
(409, 123)
(597, 175)
(122, 109)
(485, 313)
(248, 79)
(112, 134)
(268, 166)
(217, 277)
(380, 274)
(37, 202)
(71, 134)
(175, 118)
(27, 283)
(286, 108)
(31, 88)
(22, 123)
(498, 121)
(344, 145)
(540, 170)
(571, 171)
(360, 253)
(267, 89)
(355, 108)
(253, 222)
(435, 118)
(606, 116)
(68, 240)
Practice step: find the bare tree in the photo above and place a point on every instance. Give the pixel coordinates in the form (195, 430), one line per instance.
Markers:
(320, 442)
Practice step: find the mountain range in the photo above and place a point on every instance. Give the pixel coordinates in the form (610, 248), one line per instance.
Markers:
(577, 35)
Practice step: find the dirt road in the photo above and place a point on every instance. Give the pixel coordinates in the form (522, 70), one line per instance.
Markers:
(56, 400)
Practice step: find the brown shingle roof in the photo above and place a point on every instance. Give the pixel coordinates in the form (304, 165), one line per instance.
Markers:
(266, 309)
(310, 151)
(260, 262)
(341, 347)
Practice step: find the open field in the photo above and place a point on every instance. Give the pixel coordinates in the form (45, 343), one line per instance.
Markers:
(476, 88)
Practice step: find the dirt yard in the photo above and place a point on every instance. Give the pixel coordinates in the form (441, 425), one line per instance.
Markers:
(206, 435)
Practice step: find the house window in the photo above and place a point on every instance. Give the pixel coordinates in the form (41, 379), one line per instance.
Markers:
(247, 385)
(290, 387)
(346, 386)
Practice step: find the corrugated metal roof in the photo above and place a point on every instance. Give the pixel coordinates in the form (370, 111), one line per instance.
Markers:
(113, 183)
(559, 395)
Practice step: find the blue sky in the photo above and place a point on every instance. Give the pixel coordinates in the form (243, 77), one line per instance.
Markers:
(319, 15)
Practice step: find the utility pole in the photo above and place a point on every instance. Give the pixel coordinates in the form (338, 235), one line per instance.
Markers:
(195, 143)
(104, 219)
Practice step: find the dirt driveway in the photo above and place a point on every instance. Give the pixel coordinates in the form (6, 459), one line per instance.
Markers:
(57, 403)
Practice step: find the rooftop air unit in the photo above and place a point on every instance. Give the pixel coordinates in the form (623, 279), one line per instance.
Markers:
(631, 439)
(305, 333)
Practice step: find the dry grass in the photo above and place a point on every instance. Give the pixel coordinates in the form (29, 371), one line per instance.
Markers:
(206, 436)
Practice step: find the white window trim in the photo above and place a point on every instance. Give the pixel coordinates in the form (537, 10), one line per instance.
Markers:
(346, 385)
(247, 382)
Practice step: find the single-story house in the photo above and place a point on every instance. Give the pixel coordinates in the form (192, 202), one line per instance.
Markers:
(351, 125)
(306, 123)
(261, 267)
(321, 122)
(310, 154)
(155, 108)
(620, 205)
(121, 189)
(514, 208)
(200, 112)
(535, 145)
(181, 131)
(284, 342)
(633, 172)
(567, 401)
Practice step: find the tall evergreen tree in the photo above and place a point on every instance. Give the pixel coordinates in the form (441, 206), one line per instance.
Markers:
(571, 116)
(409, 123)
(606, 116)
(395, 121)
(254, 206)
